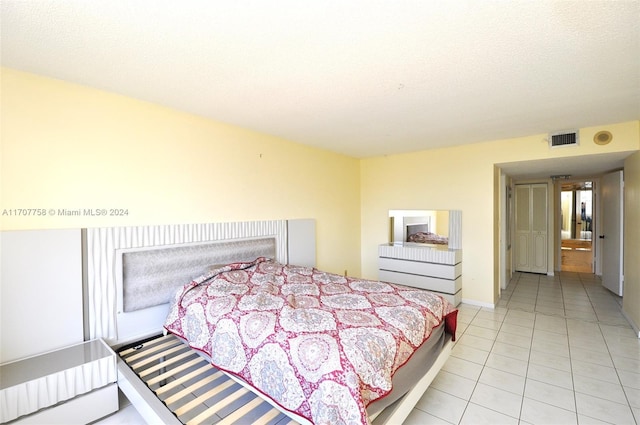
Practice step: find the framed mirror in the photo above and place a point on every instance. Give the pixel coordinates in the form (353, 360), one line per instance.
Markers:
(430, 228)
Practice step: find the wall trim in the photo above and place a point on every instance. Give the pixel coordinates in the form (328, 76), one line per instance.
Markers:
(635, 327)
(478, 303)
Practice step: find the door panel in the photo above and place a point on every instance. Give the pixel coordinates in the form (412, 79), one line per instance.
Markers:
(539, 208)
(612, 231)
(539, 264)
(523, 227)
(531, 228)
(522, 209)
(522, 253)
(539, 227)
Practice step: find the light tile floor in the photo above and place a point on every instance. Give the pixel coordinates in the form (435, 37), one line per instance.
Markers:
(555, 350)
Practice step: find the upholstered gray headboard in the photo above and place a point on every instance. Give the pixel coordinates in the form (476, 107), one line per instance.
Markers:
(121, 265)
(143, 248)
(150, 276)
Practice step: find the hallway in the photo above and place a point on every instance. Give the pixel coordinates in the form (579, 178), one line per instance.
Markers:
(577, 256)
(555, 350)
(570, 295)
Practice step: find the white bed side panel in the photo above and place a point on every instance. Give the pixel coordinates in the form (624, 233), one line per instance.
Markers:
(41, 301)
(302, 242)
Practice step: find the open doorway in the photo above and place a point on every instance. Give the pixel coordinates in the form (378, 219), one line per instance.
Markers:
(576, 220)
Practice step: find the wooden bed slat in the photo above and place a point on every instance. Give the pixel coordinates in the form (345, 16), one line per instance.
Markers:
(218, 406)
(195, 386)
(236, 415)
(157, 356)
(200, 399)
(268, 416)
(204, 369)
(165, 364)
(146, 344)
(147, 350)
(171, 372)
(149, 347)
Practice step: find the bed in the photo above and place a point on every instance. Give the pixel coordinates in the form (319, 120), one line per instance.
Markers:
(269, 369)
(428, 238)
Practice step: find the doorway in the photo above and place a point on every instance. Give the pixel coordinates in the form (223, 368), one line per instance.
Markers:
(576, 221)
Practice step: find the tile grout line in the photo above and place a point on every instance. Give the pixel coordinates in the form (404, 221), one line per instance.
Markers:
(475, 385)
(484, 366)
(477, 381)
(626, 396)
(573, 383)
(526, 375)
(598, 324)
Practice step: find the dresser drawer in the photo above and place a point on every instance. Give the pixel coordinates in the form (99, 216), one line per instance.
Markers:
(442, 271)
(423, 282)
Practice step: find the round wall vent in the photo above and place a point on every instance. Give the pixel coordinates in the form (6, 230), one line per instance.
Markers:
(602, 137)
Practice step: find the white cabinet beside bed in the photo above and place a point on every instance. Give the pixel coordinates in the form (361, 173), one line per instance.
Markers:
(76, 384)
(435, 268)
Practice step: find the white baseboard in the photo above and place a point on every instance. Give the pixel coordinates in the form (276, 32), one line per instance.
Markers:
(478, 303)
(635, 327)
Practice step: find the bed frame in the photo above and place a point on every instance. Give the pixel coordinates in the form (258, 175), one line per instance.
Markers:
(162, 377)
(188, 386)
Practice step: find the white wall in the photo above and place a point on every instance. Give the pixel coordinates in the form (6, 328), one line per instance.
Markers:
(41, 296)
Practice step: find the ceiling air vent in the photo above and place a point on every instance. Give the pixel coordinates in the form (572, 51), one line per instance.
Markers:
(565, 138)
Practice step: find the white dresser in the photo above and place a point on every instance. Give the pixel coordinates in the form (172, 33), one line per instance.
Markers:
(432, 267)
(72, 385)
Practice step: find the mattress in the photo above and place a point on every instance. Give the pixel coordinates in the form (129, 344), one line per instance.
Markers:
(320, 345)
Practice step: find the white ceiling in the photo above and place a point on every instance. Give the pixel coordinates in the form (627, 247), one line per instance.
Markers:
(362, 78)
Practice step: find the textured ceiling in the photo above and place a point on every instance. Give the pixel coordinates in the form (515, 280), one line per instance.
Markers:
(362, 78)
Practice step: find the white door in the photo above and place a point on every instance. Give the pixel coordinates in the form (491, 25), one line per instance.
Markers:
(539, 228)
(531, 228)
(523, 228)
(612, 231)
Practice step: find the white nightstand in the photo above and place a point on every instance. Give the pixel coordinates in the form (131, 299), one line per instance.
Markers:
(76, 384)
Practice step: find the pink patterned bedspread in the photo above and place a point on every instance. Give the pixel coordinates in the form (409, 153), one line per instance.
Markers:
(321, 345)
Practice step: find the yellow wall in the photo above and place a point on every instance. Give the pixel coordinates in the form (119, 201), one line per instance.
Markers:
(442, 222)
(462, 178)
(66, 146)
(631, 299)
